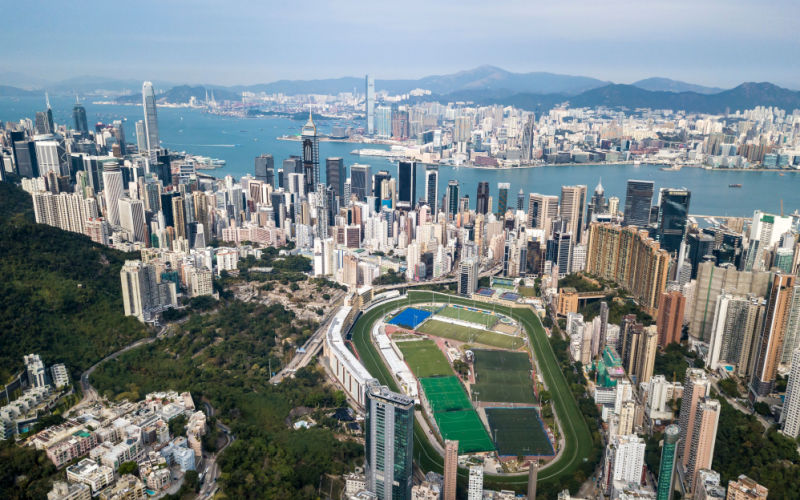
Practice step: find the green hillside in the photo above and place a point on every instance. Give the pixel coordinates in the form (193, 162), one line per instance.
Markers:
(61, 292)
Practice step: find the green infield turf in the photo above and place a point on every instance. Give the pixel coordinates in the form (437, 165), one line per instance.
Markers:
(424, 358)
(518, 431)
(503, 376)
(445, 394)
(469, 335)
(471, 315)
(466, 427)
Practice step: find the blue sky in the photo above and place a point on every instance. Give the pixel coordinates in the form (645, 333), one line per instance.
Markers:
(714, 42)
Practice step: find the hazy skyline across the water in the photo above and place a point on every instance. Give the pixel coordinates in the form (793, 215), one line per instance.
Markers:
(244, 43)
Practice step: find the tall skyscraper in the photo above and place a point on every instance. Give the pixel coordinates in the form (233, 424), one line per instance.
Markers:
(382, 190)
(597, 205)
(452, 198)
(450, 469)
(475, 484)
(670, 317)
(638, 200)
(142, 295)
(482, 200)
(79, 118)
(672, 216)
(407, 184)
(179, 216)
(369, 102)
(624, 460)
(112, 191)
(502, 197)
(791, 340)
(737, 324)
(432, 189)
(695, 388)
(521, 200)
(646, 355)
(468, 277)
(542, 209)
(573, 199)
(527, 143)
(335, 174)
(293, 165)
(310, 154)
(702, 440)
(631, 258)
(141, 136)
(131, 218)
(360, 181)
(25, 162)
(770, 344)
(666, 469)
(150, 117)
(790, 416)
(389, 442)
(265, 169)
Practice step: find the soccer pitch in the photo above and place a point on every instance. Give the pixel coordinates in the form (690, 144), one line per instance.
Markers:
(472, 316)
(469, 335)
(445, 394)
(518, 431)
(466, 427)
(454, 414)
(424, 358)
(503, 377)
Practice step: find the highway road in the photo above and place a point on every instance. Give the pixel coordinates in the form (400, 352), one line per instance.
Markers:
(312, 346)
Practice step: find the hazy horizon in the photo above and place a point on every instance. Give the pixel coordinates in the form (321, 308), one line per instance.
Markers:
(713, 43)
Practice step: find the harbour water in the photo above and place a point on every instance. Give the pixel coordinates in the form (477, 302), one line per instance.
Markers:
(239, 140)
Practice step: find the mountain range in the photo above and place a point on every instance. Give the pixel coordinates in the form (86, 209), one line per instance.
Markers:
(536, 91)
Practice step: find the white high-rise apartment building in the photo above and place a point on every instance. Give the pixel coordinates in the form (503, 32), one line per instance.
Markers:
(475, 484)
(790, 416)
(113, 191)
(131, 218)
(624, 460)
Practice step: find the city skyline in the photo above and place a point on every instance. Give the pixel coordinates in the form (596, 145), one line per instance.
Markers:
(169, 47)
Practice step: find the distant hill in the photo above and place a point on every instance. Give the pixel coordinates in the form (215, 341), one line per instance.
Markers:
(745, 96)
(9, 91)
(182, 94)
(669, 85)
(480, 78)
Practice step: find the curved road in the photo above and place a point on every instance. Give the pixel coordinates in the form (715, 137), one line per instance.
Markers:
(89, 393)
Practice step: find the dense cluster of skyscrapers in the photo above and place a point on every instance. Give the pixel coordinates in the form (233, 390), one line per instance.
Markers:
(731, 284)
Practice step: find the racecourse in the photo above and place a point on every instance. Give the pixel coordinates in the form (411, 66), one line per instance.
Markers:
(577, 439)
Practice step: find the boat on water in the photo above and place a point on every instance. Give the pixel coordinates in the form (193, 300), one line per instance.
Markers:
(734, 185)
(636, 163)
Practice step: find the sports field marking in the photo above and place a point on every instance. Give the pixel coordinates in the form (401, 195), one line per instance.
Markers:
(470, 315)
(469, 335)
(424, 358)
(503, 377)
(518, 431)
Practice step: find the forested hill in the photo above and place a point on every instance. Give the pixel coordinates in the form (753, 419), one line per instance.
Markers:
(60, 292)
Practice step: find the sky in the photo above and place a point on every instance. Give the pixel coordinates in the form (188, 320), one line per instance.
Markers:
(710, 42)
